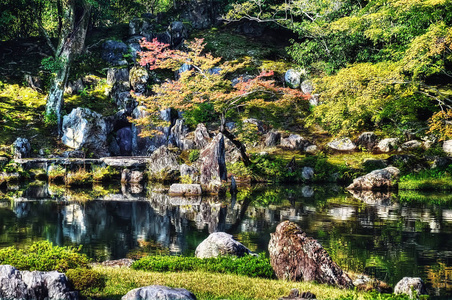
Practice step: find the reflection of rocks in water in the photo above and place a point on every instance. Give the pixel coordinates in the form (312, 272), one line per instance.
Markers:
(37, 192)
(342, 213)
(21, 209)
(447, 215)
(74, 225)
(373, 198)
(307, 191)
(413, 215)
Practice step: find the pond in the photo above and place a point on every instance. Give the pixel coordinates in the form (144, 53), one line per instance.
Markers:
(387, 236)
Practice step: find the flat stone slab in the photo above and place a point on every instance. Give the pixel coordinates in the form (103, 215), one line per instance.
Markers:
(179, 189)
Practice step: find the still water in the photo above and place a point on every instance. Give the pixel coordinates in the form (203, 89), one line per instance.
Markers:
(386, 236)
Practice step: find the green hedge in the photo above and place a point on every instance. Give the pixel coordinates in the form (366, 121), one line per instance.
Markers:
(44, 256)
(249, 265)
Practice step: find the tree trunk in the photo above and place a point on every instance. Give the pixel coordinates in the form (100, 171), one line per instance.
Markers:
(237, 143)
(71, 42)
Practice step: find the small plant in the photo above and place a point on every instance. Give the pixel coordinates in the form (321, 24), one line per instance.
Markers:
(101, 173)
(80, 177)
(186, 179)
(50, 119)
(86, 279)
(56, 173)
(193, 155)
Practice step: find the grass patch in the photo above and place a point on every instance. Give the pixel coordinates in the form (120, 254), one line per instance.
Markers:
(418, 197)
(428, 180)
(206, 285)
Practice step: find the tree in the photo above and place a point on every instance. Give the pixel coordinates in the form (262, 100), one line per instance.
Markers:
(208, 80)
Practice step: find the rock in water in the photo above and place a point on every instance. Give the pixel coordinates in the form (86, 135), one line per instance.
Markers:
(409, 284)
(158, 292)
(220, 243)
(382, 179)
(296, 257)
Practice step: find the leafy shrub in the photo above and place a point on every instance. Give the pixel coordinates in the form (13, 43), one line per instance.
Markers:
(80, 177)
(201, 113)
(193, 155)
(43, 256)
(84, 279)
(376, 295)
(248, 265)
(57, 173)
(103, 173)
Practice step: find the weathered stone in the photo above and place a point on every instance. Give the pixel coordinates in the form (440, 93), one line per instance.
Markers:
(273, 139)
(411, 145)
(117, 75)
(307, 191)
(307, 173)
(124, 139)
(307, 87)
(26, 285)
(293, 78)
(382, 179)
(158, 292)
(373, 197)
(113, 52)
(74, 87)
(202, 136)
(367, 140)
(220, 243)
(213, 164)
(201, 14)
(21, 148)
(191, 172)
(232, 154)
(178, 136)
(138, 78)
(342, 145)
(179, 189)
(387, 145)
(296, 257)
(85, 129)
(178, 33)
(258, 123)
(140, 26)
(131, 176)
(163, 165)
(311, 149)
(295, 142)
(296, 295)
(447, 147)
(409, 285)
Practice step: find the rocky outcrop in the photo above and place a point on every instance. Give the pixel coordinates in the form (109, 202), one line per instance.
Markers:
(367, 140)
(26, 285)
(342, 145)
(273, 139)
(178, 33)
(179, 189)
(21, 148)
(294, 142)
(113, 52)
(220, 243)
(411, 145)
(201, 14)
(382, 179)
(387, 145)
(213, 164)
(202, 136)
(85, 129)
(179, 138)
(138, 78)
(158, 292)
(409, 285)
(163, 165)
(191, 172)
(296, 257)
(132, 176)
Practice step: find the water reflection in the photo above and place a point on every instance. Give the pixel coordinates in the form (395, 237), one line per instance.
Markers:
(374, 233)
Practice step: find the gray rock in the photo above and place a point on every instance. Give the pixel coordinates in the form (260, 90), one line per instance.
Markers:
(124, 139)
(178, 33)
(140, 26)
(213, 164)
(132, 176)
(307, 191)
(201, 14)
(178, 136)
(232, 153)
(293, 78)
(273, 139)
(307, 173)
(447, 147)
(220, 243)
(382, 179)
(138, 78)
(296, 257)
(26, 285)
(117, 75)
(311, 149)
(409, 285)
(307, 87)
(387, 145)
(342, 145)
(179, 189)
(163, 165)
(411, 145)
(202, 136)
(21, 148)
(113, 52)
(74, 87)
(295, 142)
(258, 123)
(190, 171)
(367, 140)
(158, 292)
(85, 129)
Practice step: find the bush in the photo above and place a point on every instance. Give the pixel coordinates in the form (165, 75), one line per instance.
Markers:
(248, 265)
(194, 155)
(43, 256)
(85, 279)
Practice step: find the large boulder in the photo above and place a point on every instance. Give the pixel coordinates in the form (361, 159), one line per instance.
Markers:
(213, 164)
(387, 145)
(158, 292)
(293, 78)
(409, 285)
(189, 172)
(294, 142)
(411, 145)
(342, 145)
(178, 136)
(201, 14)
(138, 78)
(113, 52)
(85, 129)
(296, 257)
(220, 243)
(163, 165)
(382, 179)
(367, 140)
(26, 285)
(21, 148)
(202, 136)
(272, 139)
(178, 33)
(124, 140)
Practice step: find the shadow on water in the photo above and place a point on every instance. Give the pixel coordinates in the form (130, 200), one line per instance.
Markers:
(387, 236)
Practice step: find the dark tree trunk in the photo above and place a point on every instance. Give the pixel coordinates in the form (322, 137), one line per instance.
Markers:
(237, 143)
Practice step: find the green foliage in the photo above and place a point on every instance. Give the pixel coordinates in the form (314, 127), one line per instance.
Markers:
(193, 155)
(50, 119)
(248, 265)
(432, 179)
(100, 173)
(79, 177)
(44, 256)
(379, 296)
(51, 64)
(57, 174)
(86, 279)
(201, 113)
